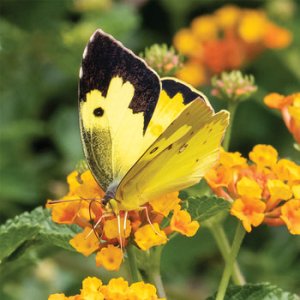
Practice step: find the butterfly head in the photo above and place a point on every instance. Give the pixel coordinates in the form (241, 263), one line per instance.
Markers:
(109, 200)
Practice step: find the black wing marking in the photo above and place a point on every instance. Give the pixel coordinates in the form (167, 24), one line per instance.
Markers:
(104, 58)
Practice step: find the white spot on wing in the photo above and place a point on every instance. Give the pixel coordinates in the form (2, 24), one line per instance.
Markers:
(80, 72)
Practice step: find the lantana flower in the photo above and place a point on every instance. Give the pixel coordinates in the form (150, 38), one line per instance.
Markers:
(225, 40)
(104, 234)
(116, 289)
(163, 59)
(109, 257)
(290, 214)
(149, 235)
(289, 106)
(264, 190)
(233, 86)
(181, 222)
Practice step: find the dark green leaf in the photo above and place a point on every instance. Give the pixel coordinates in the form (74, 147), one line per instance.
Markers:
(261, 291)
(205, 207)
(33, 228)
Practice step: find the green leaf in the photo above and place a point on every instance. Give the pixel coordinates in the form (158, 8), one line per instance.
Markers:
(205, 207)
(35, 227)
(198, 190)
(261, 291)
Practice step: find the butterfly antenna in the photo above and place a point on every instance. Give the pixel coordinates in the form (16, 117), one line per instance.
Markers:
(92, 220)
(90, 211)
(63, 201)
(72, 200)
(98, 221)
(149, 221)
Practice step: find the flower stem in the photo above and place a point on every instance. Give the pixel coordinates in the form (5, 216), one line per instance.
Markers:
(156, 280)
(232, 106)
(132, 265)
(154, 271)
(221, 239)
(237, 241)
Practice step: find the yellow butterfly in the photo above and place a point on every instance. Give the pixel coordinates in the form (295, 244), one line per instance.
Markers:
(143, 136)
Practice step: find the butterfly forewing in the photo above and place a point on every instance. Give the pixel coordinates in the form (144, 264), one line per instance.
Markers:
(117, 97)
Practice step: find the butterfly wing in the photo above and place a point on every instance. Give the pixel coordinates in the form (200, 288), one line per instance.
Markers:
(178, 158)
(117, 97)
(174, 97)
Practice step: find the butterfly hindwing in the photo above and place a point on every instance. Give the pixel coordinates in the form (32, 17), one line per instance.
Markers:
(117, 97)
(178, 158)
(174, 97)
(174, 86)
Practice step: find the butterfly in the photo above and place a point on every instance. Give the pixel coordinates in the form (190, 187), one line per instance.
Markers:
(143, 136)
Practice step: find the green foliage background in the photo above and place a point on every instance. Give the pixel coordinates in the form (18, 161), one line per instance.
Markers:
(41, 44)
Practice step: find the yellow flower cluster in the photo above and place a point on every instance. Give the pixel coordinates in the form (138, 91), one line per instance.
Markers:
(264, 191)
(116, 289)
(104, 234)
(225, 40)
(289, 106)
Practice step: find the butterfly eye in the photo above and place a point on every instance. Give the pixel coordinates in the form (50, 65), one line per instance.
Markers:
(98, 112)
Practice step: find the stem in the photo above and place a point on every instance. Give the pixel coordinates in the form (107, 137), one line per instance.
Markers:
(132, 265)
(153, 271)
(224, 247)
(232, 106)
(237, 241)
(155, 278)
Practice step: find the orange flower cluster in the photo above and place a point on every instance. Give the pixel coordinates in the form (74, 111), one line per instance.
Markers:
(289, 107)
(104, 233)
(264, 191)
(116, 289)
(225, 40)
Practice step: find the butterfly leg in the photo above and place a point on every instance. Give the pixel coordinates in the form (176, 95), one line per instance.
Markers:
(97, 223)
(149, 221)
(119, 231)
(125, 222)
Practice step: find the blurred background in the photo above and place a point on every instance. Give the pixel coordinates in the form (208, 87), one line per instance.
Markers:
(41, 45)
